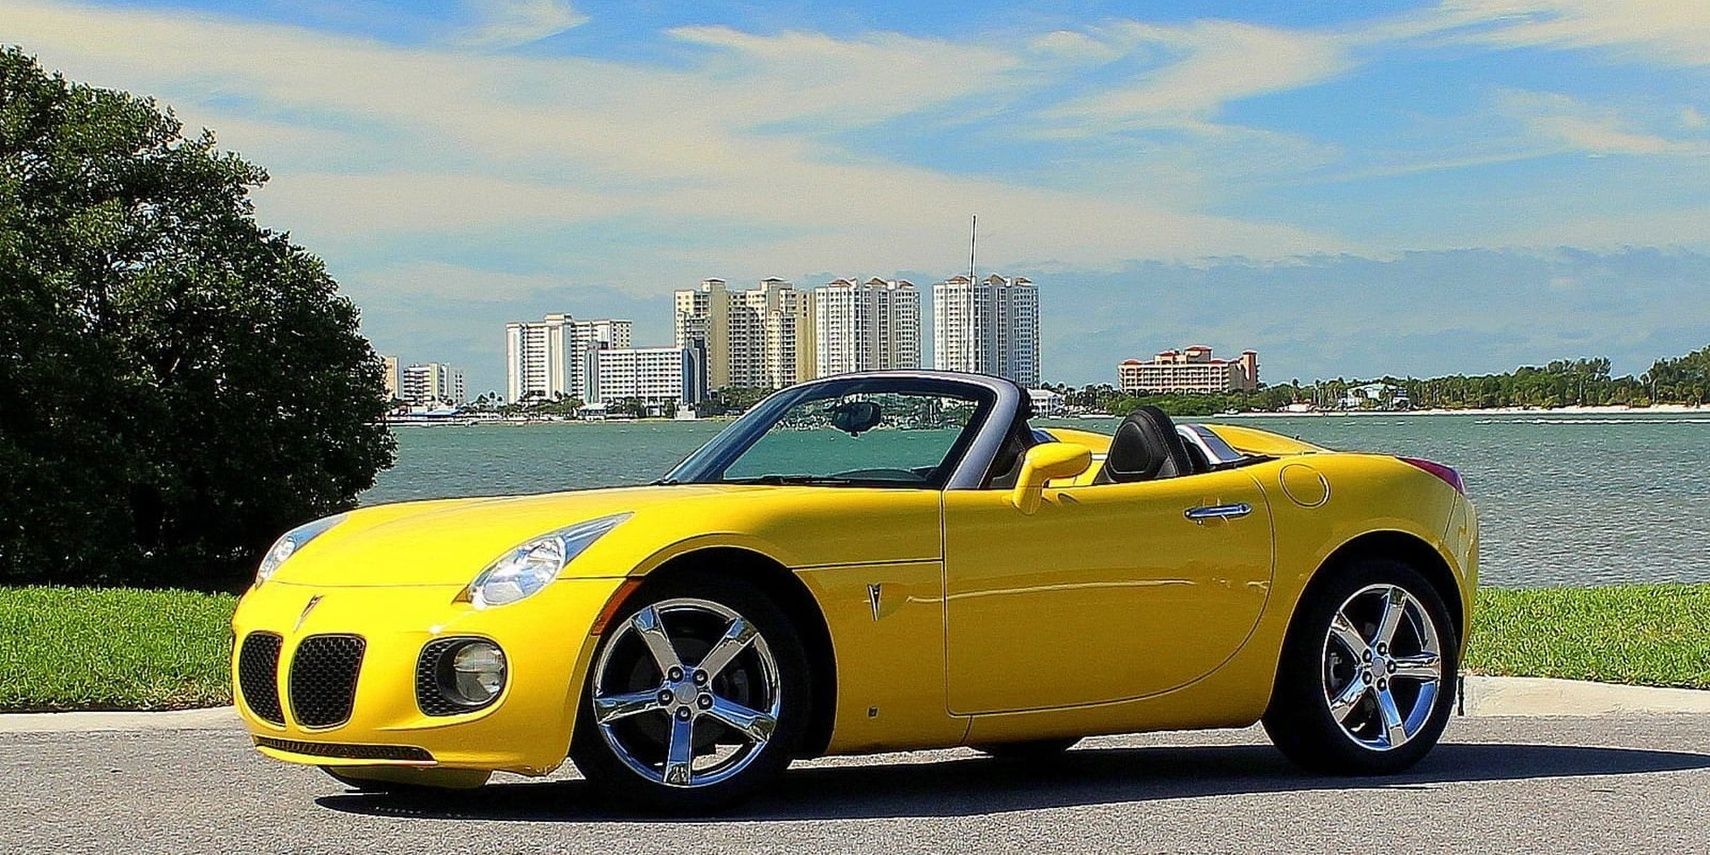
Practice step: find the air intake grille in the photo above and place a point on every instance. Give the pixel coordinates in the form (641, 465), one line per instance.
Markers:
(346, 751)
(433, 673)
(323, 679)
(258, 670)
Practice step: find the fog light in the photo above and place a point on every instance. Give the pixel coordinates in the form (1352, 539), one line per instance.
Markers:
(477, 673)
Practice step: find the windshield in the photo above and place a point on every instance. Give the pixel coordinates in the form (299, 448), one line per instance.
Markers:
(874, 432)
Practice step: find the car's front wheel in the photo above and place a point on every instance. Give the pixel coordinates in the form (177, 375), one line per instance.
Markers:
(698, 695)
(1365, 685)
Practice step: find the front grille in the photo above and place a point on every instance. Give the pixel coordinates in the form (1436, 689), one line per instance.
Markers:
(345, 750)
(258, 676)
(323, 679)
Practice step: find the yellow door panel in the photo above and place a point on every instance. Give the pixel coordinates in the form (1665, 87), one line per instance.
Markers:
(1106, 592)
(887, 631)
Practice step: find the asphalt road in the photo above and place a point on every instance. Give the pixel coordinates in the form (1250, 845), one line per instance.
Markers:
(1636, 783)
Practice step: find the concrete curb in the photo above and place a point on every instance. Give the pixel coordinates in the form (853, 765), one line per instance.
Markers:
(1485, 696)
(212, 718)
(1542, 696)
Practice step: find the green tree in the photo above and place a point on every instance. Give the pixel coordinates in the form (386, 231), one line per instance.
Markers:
(177, 384)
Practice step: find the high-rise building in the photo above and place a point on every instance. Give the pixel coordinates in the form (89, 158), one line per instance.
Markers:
(652, 375)
(761, 337)
(428, 383)
(390, 377)
(987, 326)
(549, 358)
(1191, 369)
(864, 326)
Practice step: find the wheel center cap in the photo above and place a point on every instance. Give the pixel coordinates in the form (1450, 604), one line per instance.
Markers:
(685, 692)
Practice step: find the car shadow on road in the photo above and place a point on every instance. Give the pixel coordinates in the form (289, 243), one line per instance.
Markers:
(977, 785)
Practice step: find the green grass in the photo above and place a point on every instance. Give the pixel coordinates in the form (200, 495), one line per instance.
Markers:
(97, 649)
(113, 649)
(1651, 635)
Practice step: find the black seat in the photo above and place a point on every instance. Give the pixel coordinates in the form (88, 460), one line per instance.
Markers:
(1146, 447)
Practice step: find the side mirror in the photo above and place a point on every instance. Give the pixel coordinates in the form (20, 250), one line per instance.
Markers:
(1047, 462)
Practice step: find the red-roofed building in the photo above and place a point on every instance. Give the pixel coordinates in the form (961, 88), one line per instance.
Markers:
(1191, 369)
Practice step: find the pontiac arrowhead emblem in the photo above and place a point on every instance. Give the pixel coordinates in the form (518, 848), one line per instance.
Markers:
(873, 592)
(309, 607)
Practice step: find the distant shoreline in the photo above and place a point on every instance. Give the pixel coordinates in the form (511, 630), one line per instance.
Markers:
(1597, 410)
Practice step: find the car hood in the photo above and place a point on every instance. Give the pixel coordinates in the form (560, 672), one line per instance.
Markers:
(449, 541)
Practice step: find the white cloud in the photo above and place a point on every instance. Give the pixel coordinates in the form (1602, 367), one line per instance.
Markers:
(1199, 67)
(1573, 125)
(842, 82)
(723, 159)
(1691, 118)
(510, 23)
(1673, 31)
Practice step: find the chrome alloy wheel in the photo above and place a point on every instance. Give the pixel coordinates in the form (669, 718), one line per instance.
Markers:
(679, 724)
(1383, 667)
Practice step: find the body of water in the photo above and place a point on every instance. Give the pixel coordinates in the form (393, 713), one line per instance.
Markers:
(1563, 499)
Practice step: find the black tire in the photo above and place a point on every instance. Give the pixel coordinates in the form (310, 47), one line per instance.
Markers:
(1299, 720)
(618, 785)
(1035, 751)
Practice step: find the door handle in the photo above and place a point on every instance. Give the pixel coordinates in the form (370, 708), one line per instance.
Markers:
(1211, 512)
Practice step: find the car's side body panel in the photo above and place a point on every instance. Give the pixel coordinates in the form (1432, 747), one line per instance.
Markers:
(1366, 493)
(1105, 592)
(887, 633)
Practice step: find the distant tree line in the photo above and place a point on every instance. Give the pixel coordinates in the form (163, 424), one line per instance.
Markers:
(1576, 382)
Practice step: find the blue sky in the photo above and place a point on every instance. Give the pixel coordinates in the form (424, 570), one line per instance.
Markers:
(1351, 189)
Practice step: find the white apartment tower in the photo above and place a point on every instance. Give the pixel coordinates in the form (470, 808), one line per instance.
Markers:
(761, 337)
(549, 358)
(652, 375)
(987, 326)
(864, 326)
(390, 377)
(428, 383)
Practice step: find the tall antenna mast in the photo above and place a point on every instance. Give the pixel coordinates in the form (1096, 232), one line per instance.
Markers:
(973, 238)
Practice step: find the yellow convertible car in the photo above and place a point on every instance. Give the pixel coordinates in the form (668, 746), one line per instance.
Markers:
(870, 562)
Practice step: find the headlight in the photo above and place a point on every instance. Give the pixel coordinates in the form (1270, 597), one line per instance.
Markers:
(526, 569)
(288, 544)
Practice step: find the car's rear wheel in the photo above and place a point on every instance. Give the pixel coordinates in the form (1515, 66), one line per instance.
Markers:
(1365, 685)
(1034, 751)
(698, 695)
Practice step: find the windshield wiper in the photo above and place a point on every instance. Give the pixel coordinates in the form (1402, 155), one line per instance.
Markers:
(797, 480)
(664, 482)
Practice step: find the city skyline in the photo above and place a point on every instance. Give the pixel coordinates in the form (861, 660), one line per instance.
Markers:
(1428, 188)
(775, 335)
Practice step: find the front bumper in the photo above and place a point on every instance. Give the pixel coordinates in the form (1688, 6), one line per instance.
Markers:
(547, 646)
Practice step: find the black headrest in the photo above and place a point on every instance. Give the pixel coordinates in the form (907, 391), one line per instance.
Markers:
(1146, 447)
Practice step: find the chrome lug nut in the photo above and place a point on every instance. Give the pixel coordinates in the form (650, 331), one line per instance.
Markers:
(665, 696)
(704, 701)
(674, 675)
(683, 713)
(700, 678)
